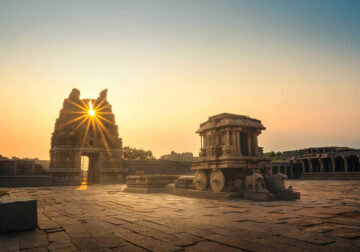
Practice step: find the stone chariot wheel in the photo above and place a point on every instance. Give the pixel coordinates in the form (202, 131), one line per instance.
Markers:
(217, 181)
(201, 180)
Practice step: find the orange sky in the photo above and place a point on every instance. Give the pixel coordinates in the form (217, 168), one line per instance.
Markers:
(167, 74)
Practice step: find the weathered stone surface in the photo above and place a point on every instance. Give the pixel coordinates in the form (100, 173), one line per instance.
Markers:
(259, 196)
(206, 194)
(9, 242)
(17, 214)
(33, 239)
(104, 218)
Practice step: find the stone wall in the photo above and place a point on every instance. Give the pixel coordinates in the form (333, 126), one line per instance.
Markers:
(11, 175)
(158, 167)
(26, 181)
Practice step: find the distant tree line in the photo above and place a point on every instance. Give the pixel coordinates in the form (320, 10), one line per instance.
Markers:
(274, 155)
(133, 153)
(173, 156)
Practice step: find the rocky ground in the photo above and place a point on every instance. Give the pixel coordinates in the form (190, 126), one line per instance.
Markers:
(104, 218)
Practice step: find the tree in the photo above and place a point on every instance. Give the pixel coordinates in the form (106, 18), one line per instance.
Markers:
(173, 156)
(133, 153)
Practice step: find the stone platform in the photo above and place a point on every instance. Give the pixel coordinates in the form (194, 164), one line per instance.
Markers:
(205, 194)
(104, 218)
(148, 183)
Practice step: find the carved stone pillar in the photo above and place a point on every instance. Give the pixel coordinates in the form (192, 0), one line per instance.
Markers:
(227, 137)
(333, 164)
(302, 163)
(346, 167)
(256, 147)
(310, 165)
(238, 142)
(291, 170)
(234, 139)
(322, 164)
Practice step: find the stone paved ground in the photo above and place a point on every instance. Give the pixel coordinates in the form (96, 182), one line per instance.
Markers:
(103, 218)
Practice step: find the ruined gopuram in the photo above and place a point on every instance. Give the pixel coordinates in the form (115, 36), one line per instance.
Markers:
(229, 152)
(86, 127)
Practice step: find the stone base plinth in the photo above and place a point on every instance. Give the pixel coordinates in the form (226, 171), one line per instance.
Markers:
(256, 196)
(287, 195)
(145, 190)
(331, 175)
(148, 183)
(17, 215)
(267, 196)
(205, 194)
(185, 182)
(259, 196)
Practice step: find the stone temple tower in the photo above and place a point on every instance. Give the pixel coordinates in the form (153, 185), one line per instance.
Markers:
(86, 127)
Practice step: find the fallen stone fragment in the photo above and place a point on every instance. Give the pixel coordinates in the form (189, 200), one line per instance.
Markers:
(17, 215)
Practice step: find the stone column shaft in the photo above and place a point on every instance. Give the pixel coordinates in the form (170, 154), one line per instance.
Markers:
(346, 167)
(310, 165)
(322, 165)
(333, 165)
(256, 147)
(291, 171)
(302, 162)
(234, 139)
(238, 142)
(227, 137)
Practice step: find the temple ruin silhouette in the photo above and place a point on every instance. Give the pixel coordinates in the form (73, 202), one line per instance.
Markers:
(86, 127)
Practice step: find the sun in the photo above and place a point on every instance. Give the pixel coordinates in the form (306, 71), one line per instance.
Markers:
(92, 115)
(91, 110)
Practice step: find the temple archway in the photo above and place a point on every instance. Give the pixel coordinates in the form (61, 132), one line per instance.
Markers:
(86, 127)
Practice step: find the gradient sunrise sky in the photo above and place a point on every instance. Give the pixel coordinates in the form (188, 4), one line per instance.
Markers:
(169, 65)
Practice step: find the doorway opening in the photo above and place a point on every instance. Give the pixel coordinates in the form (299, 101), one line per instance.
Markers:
(90, 167)
(244, 144)
(84, 170)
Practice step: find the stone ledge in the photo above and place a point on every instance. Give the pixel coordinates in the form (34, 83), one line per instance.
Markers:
(259, 196)
(205, 194)
(146, 189)
(17, 215)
